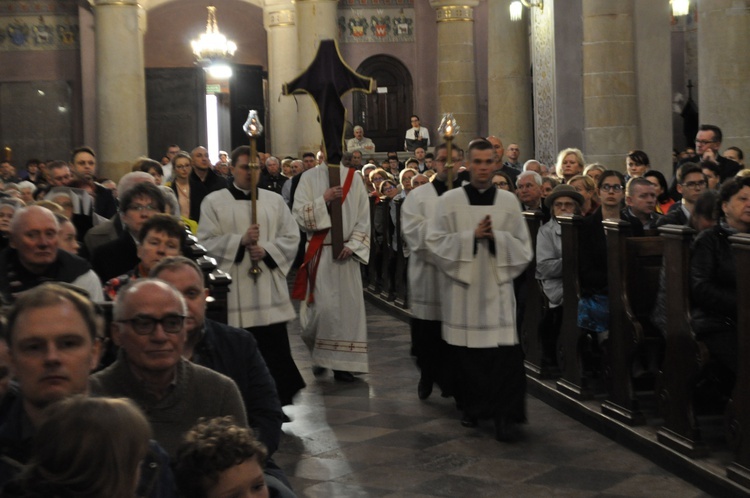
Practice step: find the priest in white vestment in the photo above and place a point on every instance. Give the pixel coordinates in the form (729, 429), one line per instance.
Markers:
(480, 241)
(332, 314)
(262, 307)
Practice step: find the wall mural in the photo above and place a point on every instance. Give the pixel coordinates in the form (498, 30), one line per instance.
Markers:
(372, 21)
(38, 25)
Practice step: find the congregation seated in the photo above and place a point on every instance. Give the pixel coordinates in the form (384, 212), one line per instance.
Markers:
(586, 186)
(120, 256)
(8, 207)
(34, 257)
(161, 236)
(713, 278)
(663, 200)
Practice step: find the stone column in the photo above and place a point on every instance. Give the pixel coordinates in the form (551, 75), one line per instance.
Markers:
(626, 81)
(724, 69)
(457, 89)
(509, 87)
(120, 85)
(316, 21)
(279, 21)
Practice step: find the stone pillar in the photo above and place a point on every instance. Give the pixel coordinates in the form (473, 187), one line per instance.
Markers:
(457, 88)
(279, 21)
(120, 86)
(316, 21)
(626, 81)
(724, 69)
(509, 87)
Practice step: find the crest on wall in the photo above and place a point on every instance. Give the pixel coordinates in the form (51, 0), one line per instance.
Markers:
(358, 27)
(18, 31)
(381, 26)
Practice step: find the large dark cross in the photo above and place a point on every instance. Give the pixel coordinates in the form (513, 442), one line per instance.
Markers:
(327, 79)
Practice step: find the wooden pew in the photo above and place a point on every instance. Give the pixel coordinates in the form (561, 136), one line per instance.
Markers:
(573, 382)
(633, 274)
(374, 266)
(535, 306)
(388, 261)
(684, 357)
(738, 419)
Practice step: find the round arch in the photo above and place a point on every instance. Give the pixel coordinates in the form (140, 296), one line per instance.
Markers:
(384, 114)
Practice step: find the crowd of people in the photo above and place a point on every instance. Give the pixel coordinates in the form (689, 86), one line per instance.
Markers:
(205, 398)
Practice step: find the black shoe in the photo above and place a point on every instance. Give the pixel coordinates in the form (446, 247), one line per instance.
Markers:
(424, 388)
(318, 371)
(343, 376)
(469, 421)
(507, 431)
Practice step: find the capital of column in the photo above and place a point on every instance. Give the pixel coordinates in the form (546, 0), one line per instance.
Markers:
(452, 11)
(278, 18)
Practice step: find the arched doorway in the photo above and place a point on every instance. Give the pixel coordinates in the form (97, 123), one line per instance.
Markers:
(384, 114)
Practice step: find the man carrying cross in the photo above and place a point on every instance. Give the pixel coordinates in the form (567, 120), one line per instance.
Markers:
(332, 314)
(332, 207)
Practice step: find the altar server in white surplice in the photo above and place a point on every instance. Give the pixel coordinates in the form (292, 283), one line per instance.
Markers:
(261, 307)
(480, 242)
(332, 313)
(427, 344)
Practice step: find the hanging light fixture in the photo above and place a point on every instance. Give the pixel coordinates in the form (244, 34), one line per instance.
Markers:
(212, 48)
(680, 7)
(516, 8)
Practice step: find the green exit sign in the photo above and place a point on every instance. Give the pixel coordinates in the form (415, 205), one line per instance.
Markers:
(213, 89)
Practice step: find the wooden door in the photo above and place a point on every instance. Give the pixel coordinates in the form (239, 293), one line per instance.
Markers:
(384, 114)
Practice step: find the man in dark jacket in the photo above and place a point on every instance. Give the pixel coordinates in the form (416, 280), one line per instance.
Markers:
(270, 178)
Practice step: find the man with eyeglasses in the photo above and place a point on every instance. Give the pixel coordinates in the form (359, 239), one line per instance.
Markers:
(33, 257)
(707, 145)
(119, 256)
(149, 327)
(416, 136)
(691, 183)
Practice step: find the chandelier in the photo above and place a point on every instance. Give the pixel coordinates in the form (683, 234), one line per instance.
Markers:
(212, 45)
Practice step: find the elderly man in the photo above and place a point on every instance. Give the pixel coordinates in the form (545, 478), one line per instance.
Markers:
(480, 242)
(228, 350)
(54, 345)
(259, 303)
(59, 174)
(120, 256)
(529, 191)
(149, 327)
(271, 178)
(33, 257)
(360, 142)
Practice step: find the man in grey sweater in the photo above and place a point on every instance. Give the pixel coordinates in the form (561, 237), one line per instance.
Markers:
(149, 327)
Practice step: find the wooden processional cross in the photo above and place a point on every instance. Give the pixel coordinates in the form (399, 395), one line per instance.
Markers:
(327, 79)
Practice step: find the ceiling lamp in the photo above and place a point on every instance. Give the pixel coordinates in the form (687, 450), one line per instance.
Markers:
(516, 8)
(680, 7)
(212, 46)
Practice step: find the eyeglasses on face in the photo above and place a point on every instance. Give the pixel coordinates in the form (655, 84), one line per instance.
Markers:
(705, 142)
(145, 325)
(612, 188)
(698, 184)
(141, 207)
(500, 184)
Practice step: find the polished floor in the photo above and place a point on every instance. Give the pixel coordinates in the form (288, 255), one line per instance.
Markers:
(374, 437)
